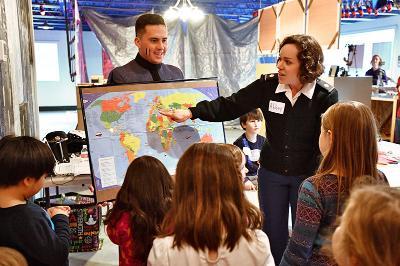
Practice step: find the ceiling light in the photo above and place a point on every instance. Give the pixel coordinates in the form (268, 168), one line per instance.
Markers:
(45, 26)
(42, 10)
(186, 11)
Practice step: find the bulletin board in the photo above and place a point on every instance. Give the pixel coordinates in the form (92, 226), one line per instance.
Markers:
(123, 122)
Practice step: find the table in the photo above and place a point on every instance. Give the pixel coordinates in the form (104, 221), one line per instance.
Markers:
(63, 180)
(384, 107)
(392, 171)
(67, 180)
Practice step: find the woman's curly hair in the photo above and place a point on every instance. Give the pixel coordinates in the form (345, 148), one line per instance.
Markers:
(310, 56)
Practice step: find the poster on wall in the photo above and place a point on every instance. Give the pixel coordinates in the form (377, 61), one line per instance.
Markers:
(123, 122)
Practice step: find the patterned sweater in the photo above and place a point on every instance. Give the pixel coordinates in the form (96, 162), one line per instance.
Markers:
(317, 210)
(315, 220)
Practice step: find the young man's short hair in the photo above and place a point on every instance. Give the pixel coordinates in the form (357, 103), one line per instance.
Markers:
(255, 114)
(22, 157)
(147, 19)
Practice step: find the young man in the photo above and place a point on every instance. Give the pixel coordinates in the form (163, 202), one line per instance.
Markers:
(251, 144)
(151, 39)
(42, 237)
(377, 73)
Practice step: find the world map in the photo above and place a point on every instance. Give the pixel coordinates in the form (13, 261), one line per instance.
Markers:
(122, 126)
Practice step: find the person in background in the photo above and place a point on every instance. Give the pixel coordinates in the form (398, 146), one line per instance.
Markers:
(369, 231)
(41, 237)
(139, 209)
(211, 222)
(251, 143)
(151, 39)
(376, 71)
(292, 102)
(348, 143)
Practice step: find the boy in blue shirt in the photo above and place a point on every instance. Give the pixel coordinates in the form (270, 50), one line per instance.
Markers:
(251, 144)
(42, 237)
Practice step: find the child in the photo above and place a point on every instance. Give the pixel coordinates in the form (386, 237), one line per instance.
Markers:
(251, 143)
(211, 221)
(11, 257)
(348, 144)
(42, 238)
(139, 209)
(240, 159)
(369, 230)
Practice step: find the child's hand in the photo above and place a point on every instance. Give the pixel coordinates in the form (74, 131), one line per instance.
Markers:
(248, 185)
(65, 210)
(108, 204)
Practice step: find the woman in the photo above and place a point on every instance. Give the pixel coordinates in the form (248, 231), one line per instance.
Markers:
(377, 73)
(350, 154)
(211, 222)
(292, 103)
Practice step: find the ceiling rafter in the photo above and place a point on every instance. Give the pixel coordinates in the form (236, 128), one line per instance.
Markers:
(238, 10)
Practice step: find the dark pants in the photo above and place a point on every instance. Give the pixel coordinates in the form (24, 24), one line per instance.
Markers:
(397, 131)
(275, 192)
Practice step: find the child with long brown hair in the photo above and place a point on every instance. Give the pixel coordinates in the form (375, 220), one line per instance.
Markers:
(348, 144)
(139, 209)
(240, 160)
(369, 229)
(211, 221)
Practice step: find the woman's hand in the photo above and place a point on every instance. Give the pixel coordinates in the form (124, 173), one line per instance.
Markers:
(177, 115)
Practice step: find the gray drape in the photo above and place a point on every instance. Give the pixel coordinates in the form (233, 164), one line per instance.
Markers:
(213, 48)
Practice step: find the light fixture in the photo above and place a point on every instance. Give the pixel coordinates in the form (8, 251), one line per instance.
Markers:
(42, 10)
(186, 11)
(45, 26)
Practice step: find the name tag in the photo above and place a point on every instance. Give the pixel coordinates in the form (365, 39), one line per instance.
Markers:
(276, 107)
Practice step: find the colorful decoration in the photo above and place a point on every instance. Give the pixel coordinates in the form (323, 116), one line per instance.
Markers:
(354, 8)
(360, 10)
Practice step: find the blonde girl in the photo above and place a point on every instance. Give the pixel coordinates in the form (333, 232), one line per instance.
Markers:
(348, 144)
(369, 229)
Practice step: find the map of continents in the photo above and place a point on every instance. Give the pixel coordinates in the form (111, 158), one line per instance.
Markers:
(124, 125)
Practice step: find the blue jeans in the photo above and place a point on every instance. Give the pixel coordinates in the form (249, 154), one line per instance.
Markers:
(275, 193)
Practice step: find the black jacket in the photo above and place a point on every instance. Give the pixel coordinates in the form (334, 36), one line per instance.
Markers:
(375, 75)
(292, 147)
(140, 70)
(27, 228)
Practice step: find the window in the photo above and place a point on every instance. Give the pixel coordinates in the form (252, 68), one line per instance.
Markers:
(375, 42)
(46, 58)
(384, 50)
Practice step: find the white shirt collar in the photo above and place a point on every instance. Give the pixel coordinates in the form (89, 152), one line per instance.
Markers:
(308, 90)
